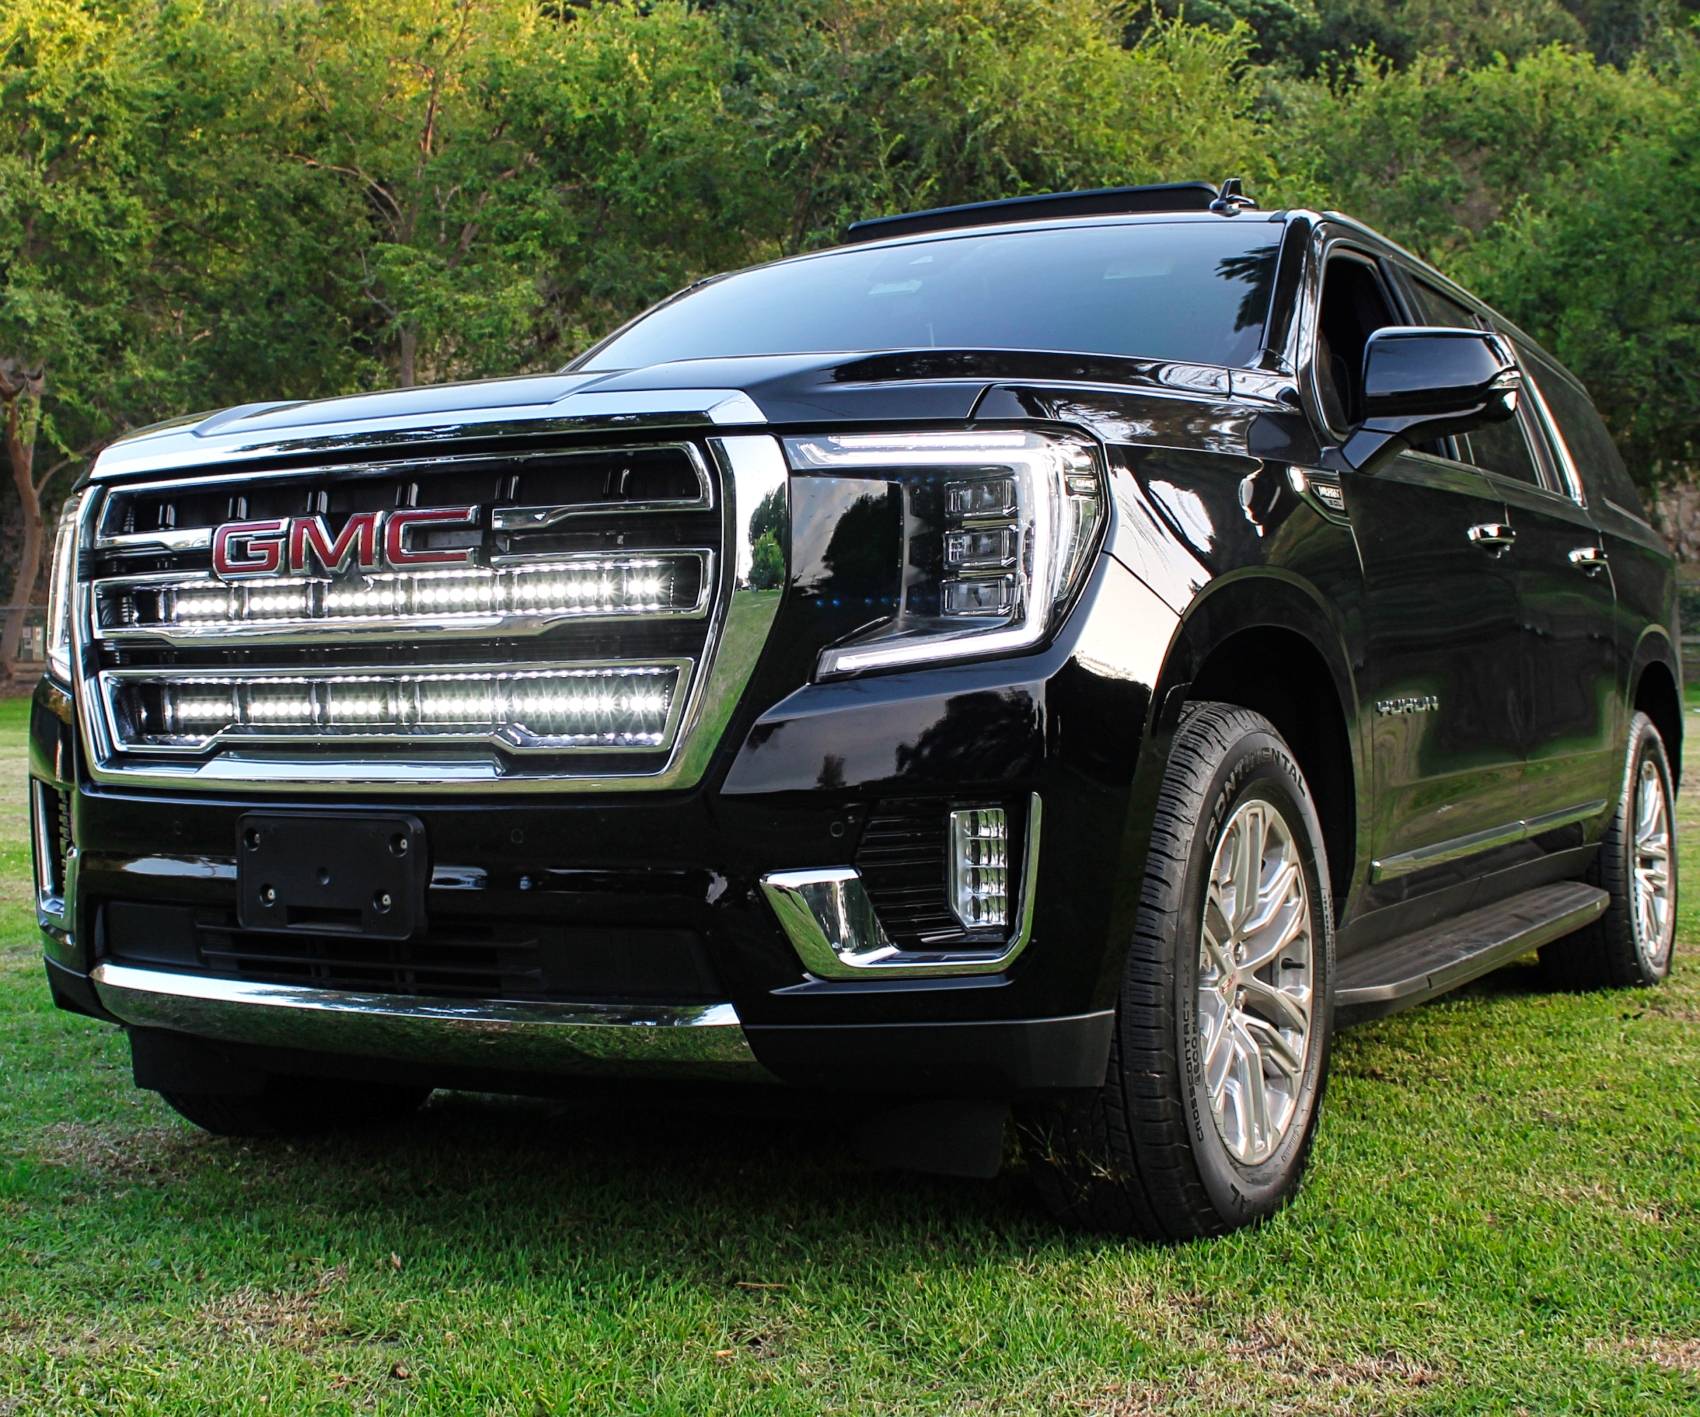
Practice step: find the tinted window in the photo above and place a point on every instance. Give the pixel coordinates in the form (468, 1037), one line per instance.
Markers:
(1591, 448)
(1439, 309)
(1193, 291)
(1354, 306)
(1503, 448)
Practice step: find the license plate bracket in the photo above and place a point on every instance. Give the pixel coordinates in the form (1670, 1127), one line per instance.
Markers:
(298, 872)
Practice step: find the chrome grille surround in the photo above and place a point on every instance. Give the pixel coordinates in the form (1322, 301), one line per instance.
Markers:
(737, 474)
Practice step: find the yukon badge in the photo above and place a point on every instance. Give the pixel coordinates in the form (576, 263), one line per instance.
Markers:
(368, 541)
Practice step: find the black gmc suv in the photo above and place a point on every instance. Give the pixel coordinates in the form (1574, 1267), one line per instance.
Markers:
(1054, 658)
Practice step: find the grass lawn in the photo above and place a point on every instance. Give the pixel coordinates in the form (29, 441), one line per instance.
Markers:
(1503, 1215)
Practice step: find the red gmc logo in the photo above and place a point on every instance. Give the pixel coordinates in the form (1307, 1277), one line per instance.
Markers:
(369, 541)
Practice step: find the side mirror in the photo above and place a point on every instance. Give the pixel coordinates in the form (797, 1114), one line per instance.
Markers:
(1423, 383)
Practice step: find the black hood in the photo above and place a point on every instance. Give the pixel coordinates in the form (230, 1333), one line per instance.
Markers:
(747, 393)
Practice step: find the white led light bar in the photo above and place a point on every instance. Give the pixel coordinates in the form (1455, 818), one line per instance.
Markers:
(512, 599)
(631, 707)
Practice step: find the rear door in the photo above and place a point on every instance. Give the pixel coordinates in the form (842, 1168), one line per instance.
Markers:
(1568, 598)
(1442, 634)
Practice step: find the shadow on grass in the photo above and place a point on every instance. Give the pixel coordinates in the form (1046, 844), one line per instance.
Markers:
(714, 1186)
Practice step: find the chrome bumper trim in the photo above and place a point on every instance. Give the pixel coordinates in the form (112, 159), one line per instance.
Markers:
(831, 923)
(512, 1036)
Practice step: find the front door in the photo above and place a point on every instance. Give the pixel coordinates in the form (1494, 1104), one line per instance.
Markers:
(1442, 676)
(1440, 679)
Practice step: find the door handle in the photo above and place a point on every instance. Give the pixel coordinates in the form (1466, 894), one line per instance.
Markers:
(1589, 560)
(1493, 537)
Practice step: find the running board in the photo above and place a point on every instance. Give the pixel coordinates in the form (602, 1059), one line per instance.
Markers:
(1412, 968)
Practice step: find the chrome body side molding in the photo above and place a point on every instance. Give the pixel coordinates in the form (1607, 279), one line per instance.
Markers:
(1441, 853)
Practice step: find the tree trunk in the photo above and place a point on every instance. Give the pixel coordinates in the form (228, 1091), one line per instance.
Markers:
(408, 355)
(20, 391)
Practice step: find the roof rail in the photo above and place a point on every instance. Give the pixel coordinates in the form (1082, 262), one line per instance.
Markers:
(1096, 201)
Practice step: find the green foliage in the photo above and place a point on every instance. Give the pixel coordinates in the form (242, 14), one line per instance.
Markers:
(79, 203)
(1606, 278)
(214, 201)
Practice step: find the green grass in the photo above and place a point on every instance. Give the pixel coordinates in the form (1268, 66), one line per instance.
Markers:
(1503, 1214)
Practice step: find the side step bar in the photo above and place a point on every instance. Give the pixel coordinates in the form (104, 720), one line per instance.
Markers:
(1406, 971)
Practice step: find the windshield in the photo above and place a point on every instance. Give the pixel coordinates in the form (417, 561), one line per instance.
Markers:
(1191, 291)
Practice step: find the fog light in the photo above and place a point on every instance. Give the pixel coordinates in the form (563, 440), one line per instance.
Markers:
(979, 867)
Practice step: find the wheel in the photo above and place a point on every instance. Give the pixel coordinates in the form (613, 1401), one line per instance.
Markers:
(1632, 943)
(289, 1106)
(1220, 1048)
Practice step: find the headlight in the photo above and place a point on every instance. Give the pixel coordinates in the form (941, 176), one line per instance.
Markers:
(62, 589)
(999, 528)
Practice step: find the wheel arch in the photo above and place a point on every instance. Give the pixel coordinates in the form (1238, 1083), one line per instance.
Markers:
(1655, 688)
(1268, 641)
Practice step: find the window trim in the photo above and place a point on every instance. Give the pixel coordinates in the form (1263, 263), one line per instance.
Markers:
(1349, 249)
(1564, 464)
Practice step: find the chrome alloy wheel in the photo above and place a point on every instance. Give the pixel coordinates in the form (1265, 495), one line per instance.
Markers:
(1650, 869)
(1255, 976)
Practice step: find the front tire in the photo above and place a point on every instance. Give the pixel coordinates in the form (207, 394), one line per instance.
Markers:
(1219, 1054)
(1630, 945)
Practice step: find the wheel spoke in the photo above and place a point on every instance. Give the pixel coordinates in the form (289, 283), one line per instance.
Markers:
(1254, 1032)
(1276, 1005)
(1217, 1060)
(1216, 931)
(1272, 895)
(1248, 857)
(1275, 1048)
(1278, 939)
(1256, 1093)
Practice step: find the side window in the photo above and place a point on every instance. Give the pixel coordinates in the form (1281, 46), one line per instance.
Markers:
(1438, 308)
(1591, 448)
(1354, 305)
(1504, 448)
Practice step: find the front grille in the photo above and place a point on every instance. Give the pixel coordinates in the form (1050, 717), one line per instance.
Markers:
(478, 616)
(455, 958)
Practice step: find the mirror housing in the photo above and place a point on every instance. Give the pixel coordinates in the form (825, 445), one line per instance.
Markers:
(1421, 383)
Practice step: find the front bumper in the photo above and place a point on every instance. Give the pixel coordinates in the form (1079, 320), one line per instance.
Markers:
(441, 1040)
(793, 792)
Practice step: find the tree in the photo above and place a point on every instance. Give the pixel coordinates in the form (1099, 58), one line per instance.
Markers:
(75, 228)
(1603, 273)
(858, 107)
(398, 106)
